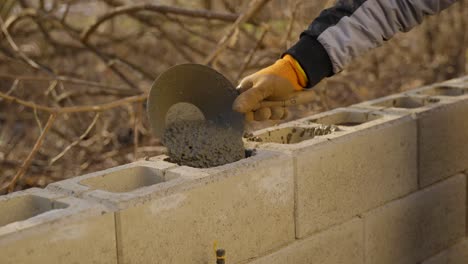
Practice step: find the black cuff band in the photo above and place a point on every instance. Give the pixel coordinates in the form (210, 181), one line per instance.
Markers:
(313, 58)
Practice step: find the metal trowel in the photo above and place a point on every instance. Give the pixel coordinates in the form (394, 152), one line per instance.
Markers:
(192, 92)
(190, 108)
(195, 91)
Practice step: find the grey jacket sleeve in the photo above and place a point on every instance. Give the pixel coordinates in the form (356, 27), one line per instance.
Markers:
(352, 27)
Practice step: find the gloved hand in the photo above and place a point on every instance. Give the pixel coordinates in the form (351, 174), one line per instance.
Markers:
(282, 81)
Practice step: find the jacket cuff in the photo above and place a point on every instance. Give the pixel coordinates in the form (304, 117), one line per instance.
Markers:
(313, 58)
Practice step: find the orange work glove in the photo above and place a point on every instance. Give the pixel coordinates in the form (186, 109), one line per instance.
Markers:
(278, 82)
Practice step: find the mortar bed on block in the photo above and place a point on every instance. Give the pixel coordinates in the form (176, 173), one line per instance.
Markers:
(314, 129)
(310, 128)
(347, 118)
(247, 154)
(237, 204)
(38, 226)
(291, 135)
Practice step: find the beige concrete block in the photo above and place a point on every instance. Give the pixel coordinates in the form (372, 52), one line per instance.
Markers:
(440, 111)
(370, 159)
(449, 90)
(443, 131)
(462, 81)
(37, 226)
(442, 140)
(403, 103)
(341, 244)
(354, 173)
(136, 177)
(417, 226)
(247, 206)
(457, 254)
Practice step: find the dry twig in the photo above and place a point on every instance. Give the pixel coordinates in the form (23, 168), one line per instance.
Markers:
(295, 9)
(75, 109)
(22, 55)
(159, 9)
(138, 116)
(76, 142)
(251, 10)
(66, 79)
(249, 57)
(27, 162)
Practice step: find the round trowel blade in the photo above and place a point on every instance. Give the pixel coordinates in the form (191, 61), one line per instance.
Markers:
(192, 91)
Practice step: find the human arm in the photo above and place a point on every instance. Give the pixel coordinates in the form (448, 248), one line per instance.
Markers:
(337, 36)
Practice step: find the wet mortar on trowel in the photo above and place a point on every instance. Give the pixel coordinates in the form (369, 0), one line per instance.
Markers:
(203, 144)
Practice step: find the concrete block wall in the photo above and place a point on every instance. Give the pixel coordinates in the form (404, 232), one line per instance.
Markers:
(383, 181)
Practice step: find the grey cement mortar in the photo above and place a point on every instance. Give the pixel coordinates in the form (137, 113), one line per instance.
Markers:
(202, 144)
(294, 134)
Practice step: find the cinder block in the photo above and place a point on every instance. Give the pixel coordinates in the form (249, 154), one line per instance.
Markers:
(457, 254)
(442, 127)
(417, 226)
(341, 244)
(403, 103)
(37, 226)
(140, 176)
(369, 160)
(458, 81)
(443, 148)
(446, 90)
(247, 206)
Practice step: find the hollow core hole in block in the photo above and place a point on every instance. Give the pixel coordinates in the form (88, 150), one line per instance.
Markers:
(346, 118)
(407, 102)
(24, 207)
(292, 135)
(125, 180)
(444, 91)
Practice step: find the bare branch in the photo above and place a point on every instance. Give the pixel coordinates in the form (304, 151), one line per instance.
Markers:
(296, 6)
(65, 79)
(27, 162)
(76, 142)
(73, 34)
(38, 121)
(159, 9)
(23, 56)
(252, 9)
(249, 57)
(138, 116)
(75, 109)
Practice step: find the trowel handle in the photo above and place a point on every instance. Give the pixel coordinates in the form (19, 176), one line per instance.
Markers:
(298, 98)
